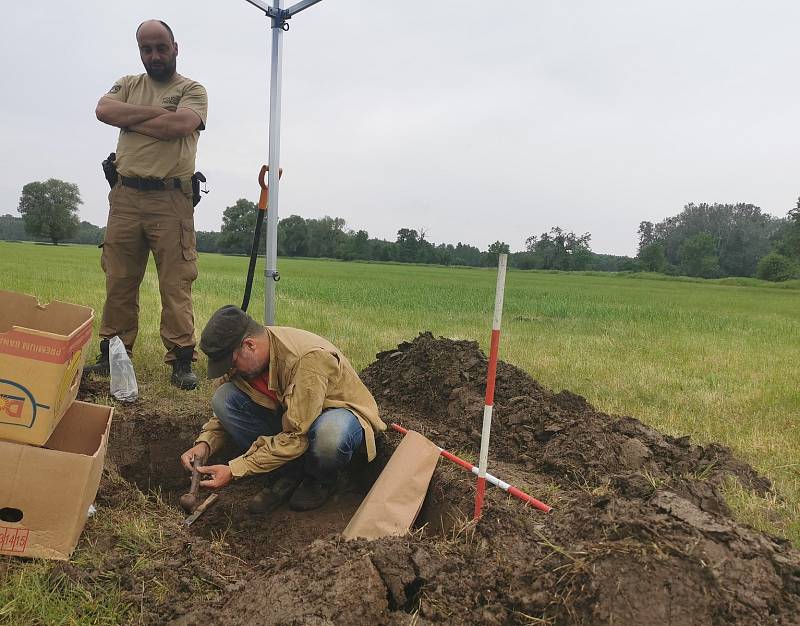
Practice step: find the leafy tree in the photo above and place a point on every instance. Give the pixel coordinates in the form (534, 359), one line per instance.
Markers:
(325, 236)
(407, 245)
(238, 228)
(293, 236)
(626, 264)
(794, 214)
(207, 241)
(426, 251)
(788, 242)
(12, 228)
(88, 233)
(381, 250)
(647, 235)
(776, 267)
(580, 257)
(495, 250)
(522, 260)
(465, 254)
(542, 250)
(445, 253)
(652, 258)
(559, 250)
(611, 263)
(356, 246)
(698, 256)
(50, 209)
(742, 234)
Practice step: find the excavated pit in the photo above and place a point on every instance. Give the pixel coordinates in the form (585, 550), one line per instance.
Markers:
(640, 533)
(146, 448)
(149, 459)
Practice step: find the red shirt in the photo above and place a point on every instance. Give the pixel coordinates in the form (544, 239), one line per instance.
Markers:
(260, 384)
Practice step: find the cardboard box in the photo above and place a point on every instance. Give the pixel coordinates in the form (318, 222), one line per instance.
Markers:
(45, 493)
(42, 352)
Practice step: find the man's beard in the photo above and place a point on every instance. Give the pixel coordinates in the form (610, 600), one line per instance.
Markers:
(254, 373)
(163, 73)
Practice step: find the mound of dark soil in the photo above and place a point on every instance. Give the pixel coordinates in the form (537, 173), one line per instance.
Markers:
(441, 383)
(640, 533)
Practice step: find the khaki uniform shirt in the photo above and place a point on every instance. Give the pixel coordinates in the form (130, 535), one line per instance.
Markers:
(148, 157)
(309, 374)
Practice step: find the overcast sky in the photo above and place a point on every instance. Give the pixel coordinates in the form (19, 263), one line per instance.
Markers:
(473, 121)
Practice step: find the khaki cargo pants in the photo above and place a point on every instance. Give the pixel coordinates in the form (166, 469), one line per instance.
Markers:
(140, 222)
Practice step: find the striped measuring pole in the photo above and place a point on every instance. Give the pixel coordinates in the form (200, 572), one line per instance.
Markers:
(510, 489)
(490, 378)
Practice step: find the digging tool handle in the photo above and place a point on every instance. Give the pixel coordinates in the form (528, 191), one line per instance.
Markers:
(262, 209)
(194, 488)
(200, 509)
(263, 198)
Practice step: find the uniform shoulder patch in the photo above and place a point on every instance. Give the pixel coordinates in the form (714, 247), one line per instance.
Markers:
(115, 89)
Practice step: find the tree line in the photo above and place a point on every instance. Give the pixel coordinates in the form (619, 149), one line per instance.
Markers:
(704, 240)
(720, 240)
(329, 237)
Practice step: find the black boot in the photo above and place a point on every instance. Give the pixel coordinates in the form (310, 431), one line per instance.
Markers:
(274, 494)
(310, 494)
(101, 367)
(182, 375)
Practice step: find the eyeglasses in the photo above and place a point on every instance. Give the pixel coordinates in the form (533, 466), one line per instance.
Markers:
(234, 356)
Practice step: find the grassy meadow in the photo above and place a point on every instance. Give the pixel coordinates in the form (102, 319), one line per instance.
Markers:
(717, 360)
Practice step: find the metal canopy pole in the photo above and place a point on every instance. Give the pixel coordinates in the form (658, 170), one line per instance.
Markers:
(278, 16)
(271, 275)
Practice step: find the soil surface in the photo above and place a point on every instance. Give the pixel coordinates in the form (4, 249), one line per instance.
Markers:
(639, 534)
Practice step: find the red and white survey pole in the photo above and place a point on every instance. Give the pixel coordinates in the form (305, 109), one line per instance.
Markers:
(489, 402)
(510, 489)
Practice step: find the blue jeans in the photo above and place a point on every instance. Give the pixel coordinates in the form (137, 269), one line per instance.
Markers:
(332, 439)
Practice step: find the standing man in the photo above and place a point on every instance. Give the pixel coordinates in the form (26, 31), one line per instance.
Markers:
(290, 395)
(160, 115)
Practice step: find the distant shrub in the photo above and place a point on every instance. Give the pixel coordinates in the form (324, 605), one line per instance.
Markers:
(776, 268)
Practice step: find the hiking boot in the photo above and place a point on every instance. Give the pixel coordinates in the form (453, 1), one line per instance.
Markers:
(101, 367)
(182, 375)
(311, 494)
(273, 495)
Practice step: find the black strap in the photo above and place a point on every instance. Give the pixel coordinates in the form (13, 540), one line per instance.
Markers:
(151, 184)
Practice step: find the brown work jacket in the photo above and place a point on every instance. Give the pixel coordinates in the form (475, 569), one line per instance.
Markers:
(308, 374)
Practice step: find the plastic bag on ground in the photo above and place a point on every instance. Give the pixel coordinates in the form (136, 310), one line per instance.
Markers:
(123, 378)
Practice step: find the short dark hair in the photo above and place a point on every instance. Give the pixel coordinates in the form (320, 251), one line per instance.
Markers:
(164, 24)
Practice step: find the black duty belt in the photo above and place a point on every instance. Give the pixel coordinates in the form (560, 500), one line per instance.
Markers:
(151, 184)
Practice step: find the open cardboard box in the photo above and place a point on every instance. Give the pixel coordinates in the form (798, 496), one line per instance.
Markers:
(45, 493)
(42, 352)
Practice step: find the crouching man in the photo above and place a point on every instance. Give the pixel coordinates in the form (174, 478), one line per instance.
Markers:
(290, 397)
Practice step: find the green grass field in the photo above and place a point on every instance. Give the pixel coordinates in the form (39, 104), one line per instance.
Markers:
(718, 360)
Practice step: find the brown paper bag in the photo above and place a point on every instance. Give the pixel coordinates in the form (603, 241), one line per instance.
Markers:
(394, 501)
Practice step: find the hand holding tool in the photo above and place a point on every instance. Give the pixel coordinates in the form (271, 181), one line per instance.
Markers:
(189, 500)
